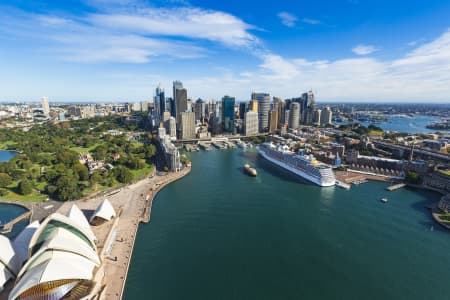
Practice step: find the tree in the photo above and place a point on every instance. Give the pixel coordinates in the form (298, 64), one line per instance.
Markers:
(25, 187)
(82, 171)
(413, 177)
(123, 175)
(135, 163)
(67, 188)
(5, 180)
(100, 152)
(150, 151)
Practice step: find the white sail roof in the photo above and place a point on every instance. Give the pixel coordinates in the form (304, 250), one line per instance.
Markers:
(22, 241)
(54, 265)
(8, 255)
(77, 215)
(87, 232)
(62, 240)
(104, 211)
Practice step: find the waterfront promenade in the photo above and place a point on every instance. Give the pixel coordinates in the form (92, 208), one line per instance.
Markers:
(116, 238)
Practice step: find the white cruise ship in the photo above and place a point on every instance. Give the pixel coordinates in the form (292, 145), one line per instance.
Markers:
(305, 166)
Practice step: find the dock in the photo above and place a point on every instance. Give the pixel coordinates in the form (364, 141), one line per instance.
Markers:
(7, 228)
(395, 187)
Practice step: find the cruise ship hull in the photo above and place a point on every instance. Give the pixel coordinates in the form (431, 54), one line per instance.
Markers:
(296, 171)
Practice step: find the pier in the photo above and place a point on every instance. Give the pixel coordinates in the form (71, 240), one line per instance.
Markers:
(395, 187)
(7, 228)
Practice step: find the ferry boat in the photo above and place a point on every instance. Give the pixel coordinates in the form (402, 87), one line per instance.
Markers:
(305, 166)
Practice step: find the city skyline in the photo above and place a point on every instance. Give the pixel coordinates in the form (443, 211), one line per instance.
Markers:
(109, 51)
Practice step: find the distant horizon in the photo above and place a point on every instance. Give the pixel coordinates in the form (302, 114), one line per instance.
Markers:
(3, 102)
(347, 49)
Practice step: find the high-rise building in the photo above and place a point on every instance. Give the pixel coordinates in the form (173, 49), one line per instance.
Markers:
(263, 110)
(200, 109)
(281, 113)
(273, 120)
(251, 123)
(242, 110)
(170, 104)
(317, 115)
(45, 106)
(160, 100)
(171, 125)
(287, 114)
(253, 105)
(187, 122)
(294, 115)
(180, 102)
(326, 116)
(144, 105)
(165, 116)
(307, 107)
(228, 113)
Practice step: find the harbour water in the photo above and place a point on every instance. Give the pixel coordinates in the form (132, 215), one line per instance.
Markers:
(416, 124)
(6, 155)
(7, 213)
(219, 234)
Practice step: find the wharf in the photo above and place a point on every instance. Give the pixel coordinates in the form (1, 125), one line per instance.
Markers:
(7, 228)
(396, 187)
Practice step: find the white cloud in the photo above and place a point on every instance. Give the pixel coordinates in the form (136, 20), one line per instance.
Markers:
(287, 19)
(420, 75)
(193, 23)
(364, 49)
(116, 34)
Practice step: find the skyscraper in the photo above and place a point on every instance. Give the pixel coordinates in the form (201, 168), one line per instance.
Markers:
(263, 110)
(307, 107)
(228, 113)
(45, 106)
(172, 127)
(160, 100)
(187, 128)
(273, 120)
(294, 115)
(253, 105)
(281, 113)
(200, 109)
(180, 102)
(242, 110)
(251, 123)
(317, 115)
(326, 116)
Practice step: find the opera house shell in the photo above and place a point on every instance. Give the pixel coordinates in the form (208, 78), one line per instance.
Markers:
(61, 260)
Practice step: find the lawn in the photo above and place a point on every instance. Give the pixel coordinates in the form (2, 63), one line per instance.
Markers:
(140, 172)
(4, 145)
(375, 132)
(34, 196)
(83, 149)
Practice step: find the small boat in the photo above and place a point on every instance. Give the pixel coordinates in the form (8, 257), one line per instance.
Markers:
(384, 200)
(342, 185)
(249, 170)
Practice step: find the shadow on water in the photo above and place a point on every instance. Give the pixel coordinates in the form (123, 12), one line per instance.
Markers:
(430, 198)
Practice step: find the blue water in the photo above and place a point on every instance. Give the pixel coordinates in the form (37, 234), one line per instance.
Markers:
(417, 124)
(7, 213)
(6, 155)
(220, 234)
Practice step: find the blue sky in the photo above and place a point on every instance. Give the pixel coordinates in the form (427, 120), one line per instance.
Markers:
(118, 50)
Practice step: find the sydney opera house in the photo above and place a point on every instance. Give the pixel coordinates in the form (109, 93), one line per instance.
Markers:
(55, 259)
